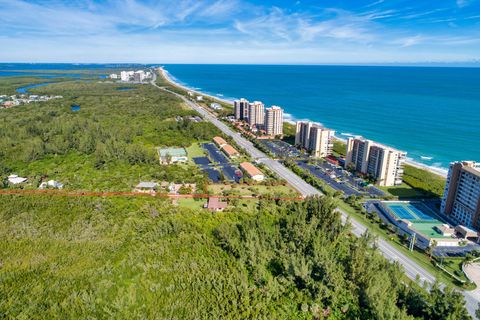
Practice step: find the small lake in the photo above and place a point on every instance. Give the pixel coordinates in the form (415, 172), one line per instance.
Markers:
(24, 90)
(75, 108)
(124, 89)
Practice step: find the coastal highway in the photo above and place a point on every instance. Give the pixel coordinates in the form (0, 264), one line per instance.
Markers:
(412, 269)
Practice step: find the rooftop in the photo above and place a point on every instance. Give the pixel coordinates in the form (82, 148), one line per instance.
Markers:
(215, 203)
(231, 151)
(250, 169)
(220, 141)
(147, 185)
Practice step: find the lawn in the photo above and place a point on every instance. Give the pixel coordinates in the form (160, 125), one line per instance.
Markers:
(191, 203)
(253, 190)
(404, 191)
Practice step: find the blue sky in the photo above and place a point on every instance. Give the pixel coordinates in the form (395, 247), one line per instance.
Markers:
(240, 31)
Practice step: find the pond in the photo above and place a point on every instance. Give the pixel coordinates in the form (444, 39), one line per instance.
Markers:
(75, 108)
(124, 88)
(24, 90)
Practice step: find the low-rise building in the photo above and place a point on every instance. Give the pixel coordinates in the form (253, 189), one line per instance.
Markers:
(146, 187)
(252, 172)
(214, 204)
(230, 151)
(172, 155)
(220, 142)
(51, 184)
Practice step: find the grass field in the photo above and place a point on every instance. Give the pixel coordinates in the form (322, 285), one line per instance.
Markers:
(253, 190)
(404, 191)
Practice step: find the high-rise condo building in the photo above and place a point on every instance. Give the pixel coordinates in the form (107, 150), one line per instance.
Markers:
(256, 114)
(302, 134)
(382, 163)
(461, 198)
(314, 138)
(240, 108)
(320, 141)
(274, 121)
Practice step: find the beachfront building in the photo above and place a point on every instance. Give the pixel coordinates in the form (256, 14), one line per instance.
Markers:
(252, 172)
(139, 76)
(382, 163)
(240, 109)
(256, 115)
(172, 155)
(314, 138)
(461, 198)
(302, 134)
(274, 121)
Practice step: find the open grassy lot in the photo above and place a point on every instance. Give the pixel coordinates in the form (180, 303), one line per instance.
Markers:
(253, 190)
(405, 191)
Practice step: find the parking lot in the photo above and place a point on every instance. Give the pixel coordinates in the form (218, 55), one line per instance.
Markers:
(217, 162)
(214, 153)
(340, 179)
(281, 149)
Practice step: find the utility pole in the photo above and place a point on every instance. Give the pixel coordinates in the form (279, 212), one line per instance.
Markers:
(412, 241)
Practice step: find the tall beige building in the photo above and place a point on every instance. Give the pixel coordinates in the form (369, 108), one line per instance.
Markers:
(382, 163)
(461, 198)
(256, 115)
(274, 121)
(320, 141)
(314, 138)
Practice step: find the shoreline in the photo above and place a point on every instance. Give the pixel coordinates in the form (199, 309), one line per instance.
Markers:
(435, 170)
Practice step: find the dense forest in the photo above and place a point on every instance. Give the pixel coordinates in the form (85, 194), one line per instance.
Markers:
(113, 130)
(143, 258)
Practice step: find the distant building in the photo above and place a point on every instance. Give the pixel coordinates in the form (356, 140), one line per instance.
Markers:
(113, 76)
(51, 184)
(256, 114)
(215, 205)
(461, 198)
(172, 155)
(146, 187)
(216, 106)
(230, 151)
(314, 138)
(199, 98)
(139, 76)
(240, 109)
(126, 75)
(274, 121)
(220, 142)
(252, 172)
(382, 163)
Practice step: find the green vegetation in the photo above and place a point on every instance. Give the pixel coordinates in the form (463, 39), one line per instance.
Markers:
(289, 132)
(144, 258)
(109, 144)
(432, 184)
(405, 191)
(339, 148)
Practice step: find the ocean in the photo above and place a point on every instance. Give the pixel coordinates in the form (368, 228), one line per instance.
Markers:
(433, 113)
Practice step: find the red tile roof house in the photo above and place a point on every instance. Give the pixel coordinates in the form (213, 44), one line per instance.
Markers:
(230, 151)
(215, 205)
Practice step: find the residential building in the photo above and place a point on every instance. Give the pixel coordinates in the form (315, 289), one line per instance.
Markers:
(230, 151)
(302, 134)
(126, 75)
(240, 109)
(114, 76)
(220, 142)
(15, 179)
(215, 205)
(256, 115)
(274, 121)
(461, 198)
(252, 172)
(172, 155)
(382, 163)
(314, 138)
(139, 76)
(146, 187)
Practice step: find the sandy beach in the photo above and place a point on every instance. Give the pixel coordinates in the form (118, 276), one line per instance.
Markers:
(438, 171)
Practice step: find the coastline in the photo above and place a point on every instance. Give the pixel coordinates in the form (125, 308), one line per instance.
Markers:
(438, 171)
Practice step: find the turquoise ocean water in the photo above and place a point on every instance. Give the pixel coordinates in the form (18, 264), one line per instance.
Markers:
(433, 113)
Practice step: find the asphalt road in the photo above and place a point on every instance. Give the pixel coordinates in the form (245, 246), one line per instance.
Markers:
(411, 268)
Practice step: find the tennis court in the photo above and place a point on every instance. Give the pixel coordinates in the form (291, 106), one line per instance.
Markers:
(413, 211)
